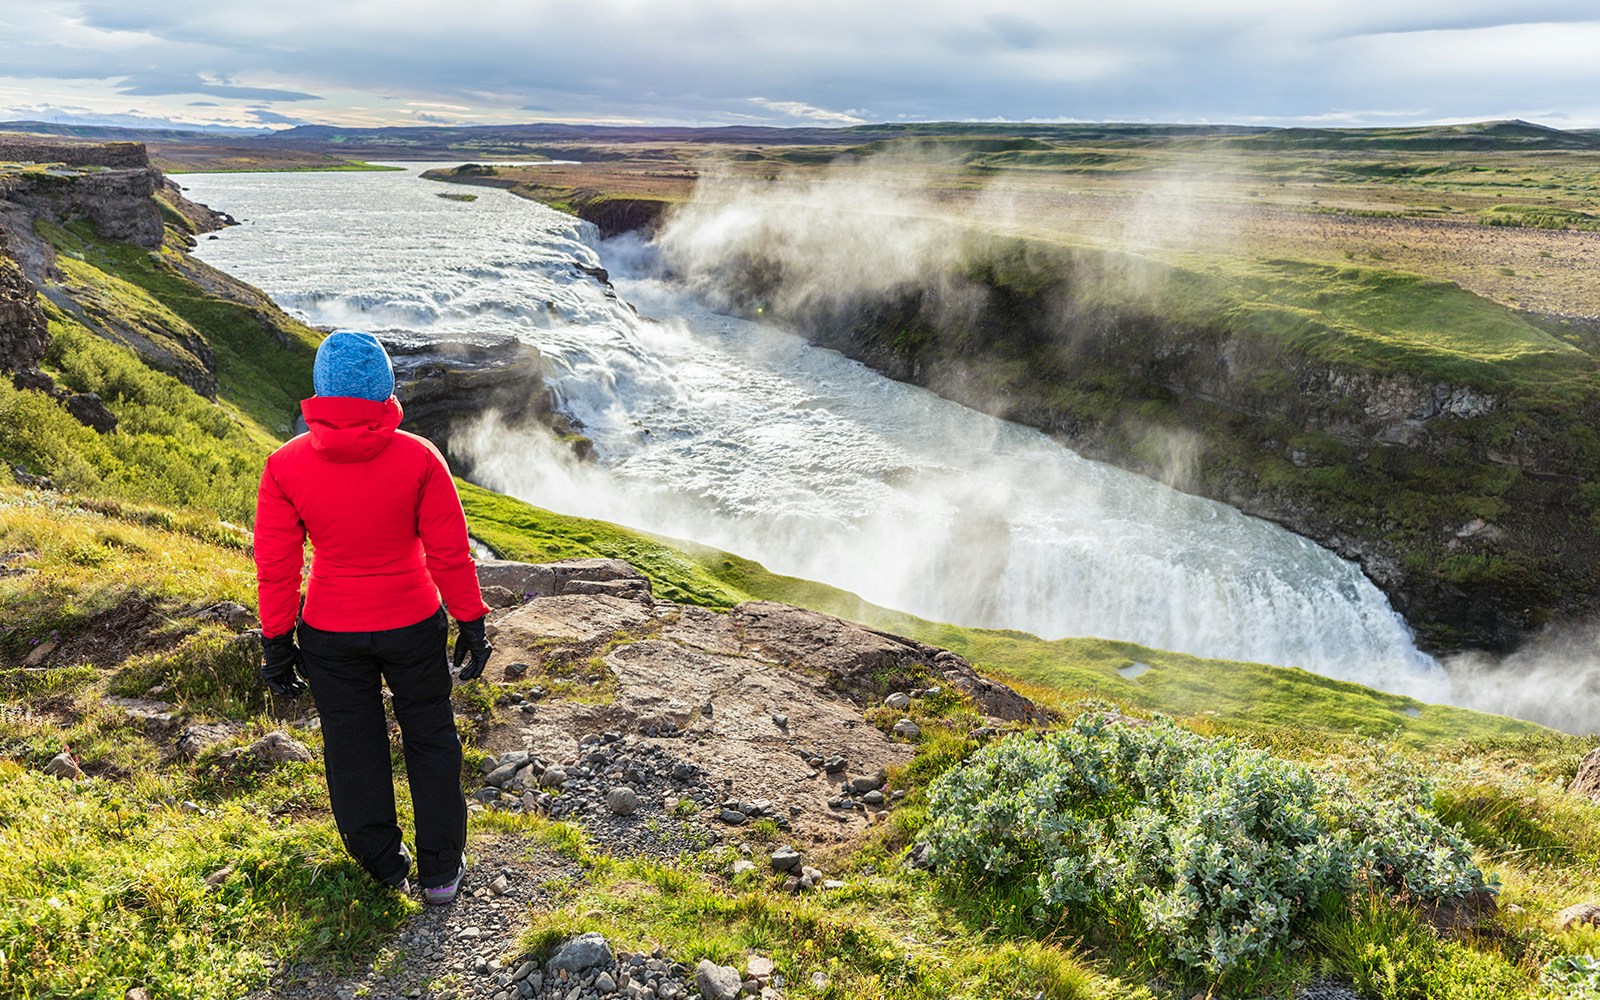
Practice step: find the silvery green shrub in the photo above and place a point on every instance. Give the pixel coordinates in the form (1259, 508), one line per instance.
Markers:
(1213, 846)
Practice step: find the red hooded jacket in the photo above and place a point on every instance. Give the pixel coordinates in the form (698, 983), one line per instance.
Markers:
(384, 518)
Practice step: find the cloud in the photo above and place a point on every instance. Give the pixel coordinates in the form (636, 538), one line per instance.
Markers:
(800, 109)
(163, 85)
(698, 61)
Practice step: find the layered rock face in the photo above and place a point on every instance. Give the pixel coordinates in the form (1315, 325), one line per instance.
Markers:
(23, 335)
(445, 386)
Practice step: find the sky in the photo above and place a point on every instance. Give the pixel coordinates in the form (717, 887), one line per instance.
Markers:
(273, 64)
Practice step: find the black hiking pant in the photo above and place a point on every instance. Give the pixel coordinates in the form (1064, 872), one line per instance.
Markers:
(346, 671)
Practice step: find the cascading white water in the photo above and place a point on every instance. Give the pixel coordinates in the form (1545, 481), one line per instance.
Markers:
(741, 436)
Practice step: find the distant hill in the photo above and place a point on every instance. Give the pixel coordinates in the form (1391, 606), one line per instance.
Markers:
(583, 141)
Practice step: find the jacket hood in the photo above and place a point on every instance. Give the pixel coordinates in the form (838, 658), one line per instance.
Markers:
(349, 429)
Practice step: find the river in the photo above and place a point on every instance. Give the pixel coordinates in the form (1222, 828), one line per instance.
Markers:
(742, 436)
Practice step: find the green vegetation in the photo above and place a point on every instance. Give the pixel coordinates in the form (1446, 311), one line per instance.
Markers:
(185, 878)
(884, 936)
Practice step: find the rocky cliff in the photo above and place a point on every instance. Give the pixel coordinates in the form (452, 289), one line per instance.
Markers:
(1464, 498)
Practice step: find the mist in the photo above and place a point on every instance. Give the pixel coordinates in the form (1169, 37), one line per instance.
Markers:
(1554, 679)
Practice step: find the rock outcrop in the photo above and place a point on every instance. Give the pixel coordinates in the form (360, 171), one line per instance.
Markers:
(1587, 781)
(23, 334)
(766, 711)
(445, 386)
(510, 583)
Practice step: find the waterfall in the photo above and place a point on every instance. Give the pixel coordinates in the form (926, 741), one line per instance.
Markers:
(742, 436)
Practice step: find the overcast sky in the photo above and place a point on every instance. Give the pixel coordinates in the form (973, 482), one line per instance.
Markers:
(818, 62)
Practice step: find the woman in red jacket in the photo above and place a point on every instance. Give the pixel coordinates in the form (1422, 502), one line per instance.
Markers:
(389, 540)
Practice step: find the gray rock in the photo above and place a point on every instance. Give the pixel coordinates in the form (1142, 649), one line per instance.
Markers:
(717, 982)
(873, 798)
(500, 886)
(732, 816)
(63, 766)
(864, 784)
(743, 865)
(905, 727)
(899, 701)
(501, 776)
(1587, 780)
(1579, 916)
(554, 776)
(622, 800)
(604, 984)
(581, 953)
(785, 859)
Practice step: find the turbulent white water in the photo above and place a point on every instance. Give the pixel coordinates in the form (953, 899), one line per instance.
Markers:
(744, 437)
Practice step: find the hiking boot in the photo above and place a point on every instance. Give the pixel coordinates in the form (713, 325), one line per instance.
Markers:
(444, 895)
(401, 880)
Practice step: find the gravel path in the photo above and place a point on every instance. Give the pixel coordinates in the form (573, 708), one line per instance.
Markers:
(443, 952)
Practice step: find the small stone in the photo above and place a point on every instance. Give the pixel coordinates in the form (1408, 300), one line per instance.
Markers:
(603, 983)
(488, 793)
(832, 883)
(470, 933)
(717, 982)
(819, 981)
(759, 967)
(833, 765)
(524, 970)
(502, 775)
(554, 776)
(781, 721)
(622, 800)
(785, 859)
(1578, 916)
(137, 993)
(905, 727)
(63, 766)
(873, 798)
(500, 886)
(191, 806)
(732, 817)
(899, 701)
(743, 865)
(864, 784)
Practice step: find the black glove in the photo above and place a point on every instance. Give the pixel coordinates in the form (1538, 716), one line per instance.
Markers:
(472, 642)
(280, 660)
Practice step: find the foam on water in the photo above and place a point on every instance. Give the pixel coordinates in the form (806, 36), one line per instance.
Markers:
(742, 436)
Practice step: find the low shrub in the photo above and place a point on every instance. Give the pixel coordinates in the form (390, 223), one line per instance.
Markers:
(1214, 848)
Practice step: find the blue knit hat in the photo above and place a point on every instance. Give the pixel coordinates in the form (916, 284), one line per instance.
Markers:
(353, 363)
